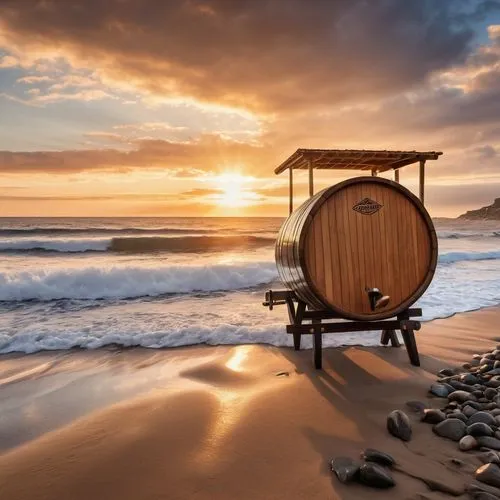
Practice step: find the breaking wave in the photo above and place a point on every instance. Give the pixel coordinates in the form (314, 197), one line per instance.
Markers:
(452, 235)
(131, 282)
(62, 231)
(184, 244)
(452, 257)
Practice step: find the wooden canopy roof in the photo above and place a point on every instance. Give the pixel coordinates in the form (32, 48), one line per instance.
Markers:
(354, 159)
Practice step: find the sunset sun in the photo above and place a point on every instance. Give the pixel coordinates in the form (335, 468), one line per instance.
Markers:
(234, 190)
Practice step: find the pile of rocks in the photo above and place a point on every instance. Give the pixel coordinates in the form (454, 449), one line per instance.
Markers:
(470, 415)
(372, 472)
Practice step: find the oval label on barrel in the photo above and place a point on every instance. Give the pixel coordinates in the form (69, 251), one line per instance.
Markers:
(367, 206)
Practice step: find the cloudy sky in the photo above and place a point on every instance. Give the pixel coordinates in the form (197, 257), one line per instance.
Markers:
(184, 107)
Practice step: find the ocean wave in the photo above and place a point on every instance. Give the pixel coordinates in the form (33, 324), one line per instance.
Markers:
(456, 235)
(198, 333)
(452, 257)
(188, 244)
(55, 245)
(184, 244)
(59, 231)
(131, 282)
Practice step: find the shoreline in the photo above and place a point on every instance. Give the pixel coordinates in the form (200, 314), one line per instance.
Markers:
(306, 345)
(247, 421)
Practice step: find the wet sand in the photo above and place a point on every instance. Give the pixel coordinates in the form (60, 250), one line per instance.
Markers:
(248, 421)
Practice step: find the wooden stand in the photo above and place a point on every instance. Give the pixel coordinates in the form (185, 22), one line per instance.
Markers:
(299, 313)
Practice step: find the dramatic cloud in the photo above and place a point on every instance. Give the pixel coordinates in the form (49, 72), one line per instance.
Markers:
(257, 54)
(208, 152)
(378, 74)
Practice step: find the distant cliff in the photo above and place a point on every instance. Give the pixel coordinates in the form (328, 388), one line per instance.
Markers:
(491, 212)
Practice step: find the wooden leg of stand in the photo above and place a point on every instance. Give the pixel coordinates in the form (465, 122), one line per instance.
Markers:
(411, 346)
(384, 338)
(301, 307)
(394, 338)
(296, 341)
(317, 348)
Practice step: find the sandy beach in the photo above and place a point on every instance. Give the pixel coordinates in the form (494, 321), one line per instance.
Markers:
(225, 422)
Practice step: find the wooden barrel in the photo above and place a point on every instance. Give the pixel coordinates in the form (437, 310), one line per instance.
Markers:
(361, 234)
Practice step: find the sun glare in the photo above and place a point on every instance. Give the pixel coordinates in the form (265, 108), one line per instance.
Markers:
(234, 190)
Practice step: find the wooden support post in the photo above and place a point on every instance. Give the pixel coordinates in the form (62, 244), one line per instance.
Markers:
(317, 347)
(311, 182)
(411, 345)
(299, 315)
(390, 335)
(394, 338)
(422, 180)
(291, 190)
(384, 338)
(396, 175)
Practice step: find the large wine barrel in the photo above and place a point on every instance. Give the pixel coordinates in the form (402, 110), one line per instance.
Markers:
(361, 234)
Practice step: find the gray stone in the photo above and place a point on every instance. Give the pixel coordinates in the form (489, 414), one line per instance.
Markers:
(477, 394)
(432, 416)
(496, 364)
(448, 386)
(460, 396)
(372, 455)
(483, 495)
(398, 424)
(467, 443)
(466, 366)
(457, 414)
(482, 416)
(495, 412)
(497, 434)
(476, 488)
(417, 406)
(474, 404)
(489, 355)
(489, 442)
(493, 382)
(477, 356)
(451, 428)
(490, 406)
(469, 379)
(484, 367)
(489, 474)
(345, 468)
(468, 411)
(375, 475)
(489, 457)
(460, 386)
(439, 390)
(495, 371)
(479, 429)
(474, 362)
(446, 372)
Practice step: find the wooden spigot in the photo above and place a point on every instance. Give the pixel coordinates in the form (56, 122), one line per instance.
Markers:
(377, 298)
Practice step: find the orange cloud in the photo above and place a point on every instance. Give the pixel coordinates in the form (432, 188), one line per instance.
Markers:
(208, 152)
